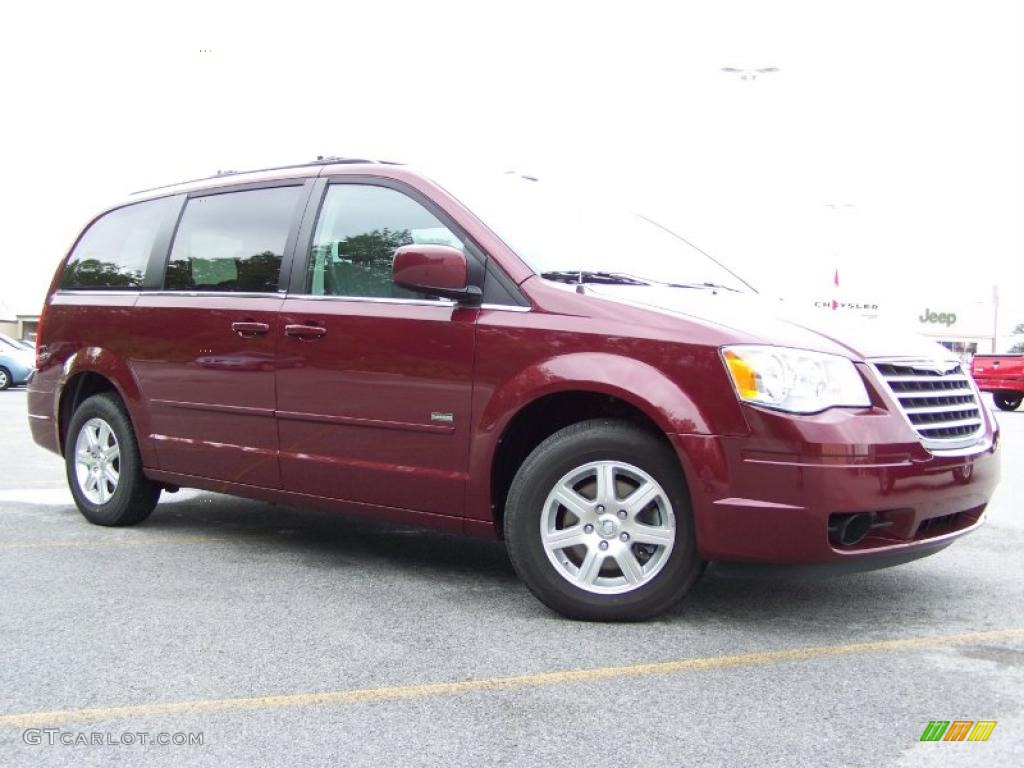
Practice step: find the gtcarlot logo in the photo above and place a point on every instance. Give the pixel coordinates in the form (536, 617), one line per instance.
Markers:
(55, 736)
(958, 730)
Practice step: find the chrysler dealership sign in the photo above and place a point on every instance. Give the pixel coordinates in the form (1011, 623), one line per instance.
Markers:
(856, 306)
(942, 317)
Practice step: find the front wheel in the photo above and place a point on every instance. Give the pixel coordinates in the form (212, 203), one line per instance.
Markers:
(1008, 402)
(103, 465)
(598, 523)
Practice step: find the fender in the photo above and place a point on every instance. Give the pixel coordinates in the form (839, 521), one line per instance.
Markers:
(116, 370)
(632, 381)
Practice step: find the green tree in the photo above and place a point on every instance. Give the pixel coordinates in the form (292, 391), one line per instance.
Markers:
(365, 266)
(259, 272)
(93, 273)
(1018, 331)
(376, 247)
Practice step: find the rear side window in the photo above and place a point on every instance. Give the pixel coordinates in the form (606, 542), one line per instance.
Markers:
(114, 251)
(233, 241)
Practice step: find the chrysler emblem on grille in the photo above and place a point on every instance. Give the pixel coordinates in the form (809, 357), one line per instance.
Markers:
(938, 367)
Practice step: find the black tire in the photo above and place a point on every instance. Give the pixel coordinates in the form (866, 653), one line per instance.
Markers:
(1008, 402)
(134, 497)
(573, 447)
(5, 378)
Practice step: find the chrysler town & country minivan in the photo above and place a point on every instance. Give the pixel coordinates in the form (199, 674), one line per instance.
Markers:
(493, 357)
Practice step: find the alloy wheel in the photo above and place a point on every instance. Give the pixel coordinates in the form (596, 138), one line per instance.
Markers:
(608, 527)
(97, 461)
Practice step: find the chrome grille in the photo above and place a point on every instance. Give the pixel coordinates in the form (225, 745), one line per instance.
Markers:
(938, 399)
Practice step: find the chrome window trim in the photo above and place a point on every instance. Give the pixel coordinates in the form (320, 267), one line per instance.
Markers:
(97, 292)
(506, 307)
(282, 295)
(375, 300)
(217, 294)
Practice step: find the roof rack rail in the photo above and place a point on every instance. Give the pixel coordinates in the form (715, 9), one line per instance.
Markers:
(332, 159)
(320, 160)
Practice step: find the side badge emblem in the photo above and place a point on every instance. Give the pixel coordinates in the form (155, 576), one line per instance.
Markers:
(442, 418)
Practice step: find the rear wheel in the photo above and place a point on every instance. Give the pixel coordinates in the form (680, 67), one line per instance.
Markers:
(598, 523)
(5, 378)
(103, 465)
(1008, 401)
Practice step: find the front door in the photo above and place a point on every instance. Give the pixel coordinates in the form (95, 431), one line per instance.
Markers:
(373, 381)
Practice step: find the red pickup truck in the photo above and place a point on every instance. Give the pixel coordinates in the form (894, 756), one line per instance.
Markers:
(1003, 376)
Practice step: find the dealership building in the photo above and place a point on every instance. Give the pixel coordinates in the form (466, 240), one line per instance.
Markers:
(18, 326)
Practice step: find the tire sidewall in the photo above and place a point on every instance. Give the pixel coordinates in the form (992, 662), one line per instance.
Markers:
(113, 512)
(539, 474)
(5, 379)
(1008, 402)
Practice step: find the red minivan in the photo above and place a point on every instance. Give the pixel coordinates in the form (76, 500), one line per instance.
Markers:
(494, 356)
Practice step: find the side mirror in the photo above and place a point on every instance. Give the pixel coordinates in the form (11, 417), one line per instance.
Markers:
(436, 270)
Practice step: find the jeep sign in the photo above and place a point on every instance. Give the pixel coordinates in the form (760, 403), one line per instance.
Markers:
(939, 318)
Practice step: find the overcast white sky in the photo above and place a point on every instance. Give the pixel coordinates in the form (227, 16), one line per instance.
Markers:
(911, 111)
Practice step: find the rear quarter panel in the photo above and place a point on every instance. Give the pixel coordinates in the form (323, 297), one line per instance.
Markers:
(89, 332)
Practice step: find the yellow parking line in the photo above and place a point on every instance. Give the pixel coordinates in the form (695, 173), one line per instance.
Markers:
(107, 542)
(395, 693)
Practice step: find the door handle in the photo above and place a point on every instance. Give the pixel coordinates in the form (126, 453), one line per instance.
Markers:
(248, 328)
(305, 331)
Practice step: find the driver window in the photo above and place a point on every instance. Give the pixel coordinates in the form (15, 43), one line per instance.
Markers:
(359, 228)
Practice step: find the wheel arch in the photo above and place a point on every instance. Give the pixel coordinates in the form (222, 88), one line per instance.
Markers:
(563, 391)
(90, 372)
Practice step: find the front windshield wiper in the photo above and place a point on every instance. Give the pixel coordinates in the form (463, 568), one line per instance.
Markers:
(714, 286)
(580, 277)
(586, 276)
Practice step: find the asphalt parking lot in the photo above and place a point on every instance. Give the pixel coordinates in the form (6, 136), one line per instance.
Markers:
(293, 637)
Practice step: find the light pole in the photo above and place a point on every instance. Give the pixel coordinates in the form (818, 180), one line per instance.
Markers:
(995, 317)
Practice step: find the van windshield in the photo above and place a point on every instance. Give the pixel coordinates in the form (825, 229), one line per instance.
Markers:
(560, 232)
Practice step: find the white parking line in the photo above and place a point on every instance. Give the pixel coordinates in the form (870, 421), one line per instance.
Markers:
(49, 497)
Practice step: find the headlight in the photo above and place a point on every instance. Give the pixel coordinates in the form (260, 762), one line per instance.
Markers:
(793, 380)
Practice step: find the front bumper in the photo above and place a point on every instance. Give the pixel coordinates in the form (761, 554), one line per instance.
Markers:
(769, 498)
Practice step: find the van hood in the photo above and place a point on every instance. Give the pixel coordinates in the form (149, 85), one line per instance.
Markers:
(762, 320)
